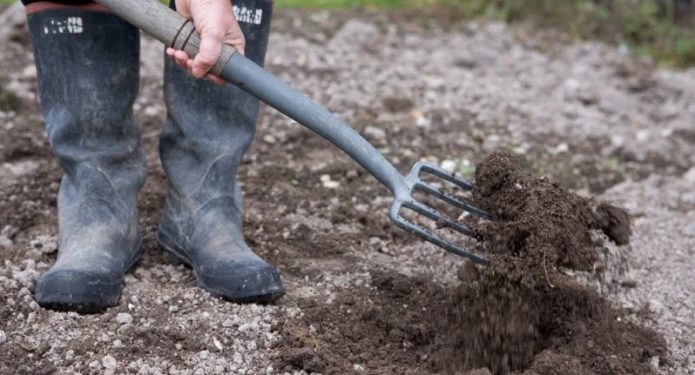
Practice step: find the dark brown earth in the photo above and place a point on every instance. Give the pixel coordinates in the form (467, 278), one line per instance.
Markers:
(520, 314)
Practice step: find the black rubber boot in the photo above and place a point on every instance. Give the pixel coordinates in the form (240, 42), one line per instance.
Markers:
(87, 63)
(208, 130)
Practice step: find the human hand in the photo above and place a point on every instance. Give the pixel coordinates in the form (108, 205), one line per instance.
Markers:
(215, 22)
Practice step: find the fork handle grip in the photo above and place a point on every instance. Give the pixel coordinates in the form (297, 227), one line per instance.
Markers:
(165, 25)
(176, 31)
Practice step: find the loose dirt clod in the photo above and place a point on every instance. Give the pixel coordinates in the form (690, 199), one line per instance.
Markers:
(539, 221)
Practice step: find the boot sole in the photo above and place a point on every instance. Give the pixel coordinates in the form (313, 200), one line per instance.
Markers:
(84, 302)
(177, 255)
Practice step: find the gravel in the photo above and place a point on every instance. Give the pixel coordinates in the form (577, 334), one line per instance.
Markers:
(124, 318)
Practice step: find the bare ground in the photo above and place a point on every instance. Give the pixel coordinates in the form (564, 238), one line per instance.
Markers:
(593, 117)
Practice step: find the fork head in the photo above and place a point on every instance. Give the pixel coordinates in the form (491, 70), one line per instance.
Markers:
(405, 200)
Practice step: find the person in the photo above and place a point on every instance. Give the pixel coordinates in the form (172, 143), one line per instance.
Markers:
(87, 63)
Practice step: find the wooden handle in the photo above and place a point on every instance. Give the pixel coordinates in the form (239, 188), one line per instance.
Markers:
(165, 25)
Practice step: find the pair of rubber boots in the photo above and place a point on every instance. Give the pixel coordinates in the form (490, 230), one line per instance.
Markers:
(88, 72)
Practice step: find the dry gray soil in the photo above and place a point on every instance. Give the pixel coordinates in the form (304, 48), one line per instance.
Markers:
(593, 117)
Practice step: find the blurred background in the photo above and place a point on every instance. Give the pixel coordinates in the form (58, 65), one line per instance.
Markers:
(660, 29)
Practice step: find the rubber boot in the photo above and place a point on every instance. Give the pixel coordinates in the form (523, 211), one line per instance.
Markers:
(208, 130)
(87, 64)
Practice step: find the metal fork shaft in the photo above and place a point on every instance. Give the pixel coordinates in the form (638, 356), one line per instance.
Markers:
(276, 93)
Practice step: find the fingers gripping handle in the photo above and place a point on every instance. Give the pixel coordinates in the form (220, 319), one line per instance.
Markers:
(165, 25)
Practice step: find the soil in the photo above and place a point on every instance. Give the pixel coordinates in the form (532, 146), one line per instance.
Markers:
(363, 296)
(519, 314)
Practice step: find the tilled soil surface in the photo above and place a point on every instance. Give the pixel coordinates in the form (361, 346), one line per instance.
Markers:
(592, 117)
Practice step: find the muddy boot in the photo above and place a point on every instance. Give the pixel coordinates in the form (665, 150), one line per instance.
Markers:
(87, 63)
(208, 130)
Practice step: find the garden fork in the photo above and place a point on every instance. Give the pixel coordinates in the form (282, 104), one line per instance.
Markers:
(179, 33)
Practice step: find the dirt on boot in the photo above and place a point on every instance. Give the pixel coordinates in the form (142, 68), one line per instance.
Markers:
(521, 314)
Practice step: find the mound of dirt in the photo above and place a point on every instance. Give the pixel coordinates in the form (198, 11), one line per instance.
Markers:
(521, 314)
(539, 221)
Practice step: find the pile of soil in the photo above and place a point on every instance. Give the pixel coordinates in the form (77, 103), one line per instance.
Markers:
(522, 313)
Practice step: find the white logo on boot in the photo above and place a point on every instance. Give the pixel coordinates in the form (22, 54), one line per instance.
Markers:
(246, 15)
(70, 25)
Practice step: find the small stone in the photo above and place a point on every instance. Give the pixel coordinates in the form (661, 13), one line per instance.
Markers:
(654, 362)
(690, 175)
(448, 165)
(237, 358)
(422, 121)
(269, 139)
(374, 132)
(228, 323)
(126, 328)
(561, 148)
(357, 368)
(109, 362)
(95, 364)
(151, 111)
(689, 230)
(217, 343)
(328, 183)
(251, 346)
(45, 244)
(5, 242)
(29, 71)
(656, 306)
(29, 344)
(124, 318)
(3, 337)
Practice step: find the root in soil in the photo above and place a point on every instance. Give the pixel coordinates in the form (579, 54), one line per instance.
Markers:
(521, 314)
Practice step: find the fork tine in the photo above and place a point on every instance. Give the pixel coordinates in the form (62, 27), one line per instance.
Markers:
(448, 198)
(449, 176)
(447, 245)
(437, 216)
